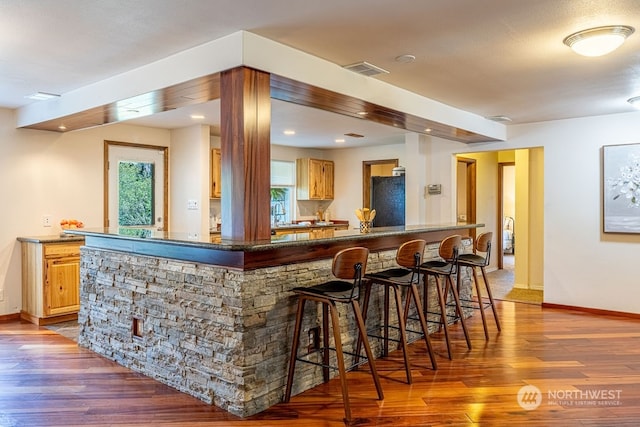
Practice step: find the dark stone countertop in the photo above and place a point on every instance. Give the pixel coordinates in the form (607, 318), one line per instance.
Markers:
(55, 238)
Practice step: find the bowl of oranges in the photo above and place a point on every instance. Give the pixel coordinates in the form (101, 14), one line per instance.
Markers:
(70, 224)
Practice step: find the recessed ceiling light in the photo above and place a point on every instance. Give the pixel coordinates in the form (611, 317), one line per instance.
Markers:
(405, 59)
(41, 96)
(428, 130)
(62, 127)
(197, 116)
(635, 101)
(289, 132)
(598, 41)
(362, 113)
(340, 140)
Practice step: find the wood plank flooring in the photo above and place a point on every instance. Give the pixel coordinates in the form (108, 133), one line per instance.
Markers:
(586, 366)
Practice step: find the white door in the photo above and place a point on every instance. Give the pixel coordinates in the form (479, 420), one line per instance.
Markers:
(136, 187)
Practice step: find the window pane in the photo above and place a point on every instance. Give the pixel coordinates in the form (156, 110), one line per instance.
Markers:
(136, 189)
(283, 173)
(281, 202)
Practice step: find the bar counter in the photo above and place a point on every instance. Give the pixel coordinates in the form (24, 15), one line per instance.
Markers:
(215, 318)
(279, 250)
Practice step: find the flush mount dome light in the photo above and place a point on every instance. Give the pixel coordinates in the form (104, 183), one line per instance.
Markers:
(598, 41)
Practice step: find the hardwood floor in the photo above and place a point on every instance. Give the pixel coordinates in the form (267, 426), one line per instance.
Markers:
(586, 366)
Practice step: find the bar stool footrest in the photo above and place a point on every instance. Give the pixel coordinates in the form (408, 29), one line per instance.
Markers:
(361, 359)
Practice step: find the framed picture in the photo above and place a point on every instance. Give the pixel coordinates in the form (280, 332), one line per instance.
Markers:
(621, 188)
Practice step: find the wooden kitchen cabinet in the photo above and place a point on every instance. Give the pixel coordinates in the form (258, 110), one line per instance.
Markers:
(50, 281)
(216, 174)
(314, 179)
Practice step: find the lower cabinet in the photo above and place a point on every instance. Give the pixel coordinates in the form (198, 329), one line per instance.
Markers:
(50, 281)
(314, 232)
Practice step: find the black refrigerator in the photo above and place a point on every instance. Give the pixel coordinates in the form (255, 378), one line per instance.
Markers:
(387, 198)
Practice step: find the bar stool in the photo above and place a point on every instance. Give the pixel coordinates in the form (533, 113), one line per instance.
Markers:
(483, 245)
(349, 266)
(445, 269)
(409, 258)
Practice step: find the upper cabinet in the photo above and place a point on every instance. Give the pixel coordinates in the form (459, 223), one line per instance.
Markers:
(314, 179)
(216, 173)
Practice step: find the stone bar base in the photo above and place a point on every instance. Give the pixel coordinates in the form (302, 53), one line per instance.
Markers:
(216, 333)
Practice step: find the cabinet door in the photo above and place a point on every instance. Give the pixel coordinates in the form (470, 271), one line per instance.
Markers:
(216, 174)
(316, 182)
(62, 285)
(328, 180)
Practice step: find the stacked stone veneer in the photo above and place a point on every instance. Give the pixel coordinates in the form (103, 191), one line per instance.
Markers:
(219, 334)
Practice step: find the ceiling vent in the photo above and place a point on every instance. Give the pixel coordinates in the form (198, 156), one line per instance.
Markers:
(503, 119)
(365, 69)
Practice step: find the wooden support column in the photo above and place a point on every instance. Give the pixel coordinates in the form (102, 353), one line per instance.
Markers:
(245, 134)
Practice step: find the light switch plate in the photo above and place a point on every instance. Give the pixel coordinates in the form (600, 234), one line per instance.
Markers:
(192, 205)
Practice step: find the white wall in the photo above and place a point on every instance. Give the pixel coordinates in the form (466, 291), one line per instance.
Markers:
(50, 173)
(189, 174)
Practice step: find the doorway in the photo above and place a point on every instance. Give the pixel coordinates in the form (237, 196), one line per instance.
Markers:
(135, 186)
(507, 215)
(374, 168)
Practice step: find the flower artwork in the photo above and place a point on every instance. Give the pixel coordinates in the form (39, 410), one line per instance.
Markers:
(621, 171)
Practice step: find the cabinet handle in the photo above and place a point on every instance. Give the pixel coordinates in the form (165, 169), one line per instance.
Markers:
(63, 261)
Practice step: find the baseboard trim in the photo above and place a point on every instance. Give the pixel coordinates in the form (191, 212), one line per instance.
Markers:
(44, 321)
(592, 310)
(9, 317)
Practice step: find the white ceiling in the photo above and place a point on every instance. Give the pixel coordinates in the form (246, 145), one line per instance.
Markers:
(489, 57)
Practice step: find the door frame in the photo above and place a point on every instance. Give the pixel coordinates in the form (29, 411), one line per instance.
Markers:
(500, 210)
(165, 183)
(470, 165)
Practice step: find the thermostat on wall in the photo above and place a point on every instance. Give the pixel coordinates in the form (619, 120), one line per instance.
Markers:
(434, 188)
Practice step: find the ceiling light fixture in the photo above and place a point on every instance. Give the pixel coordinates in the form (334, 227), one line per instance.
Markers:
(598, 41)
(289, 132)
(197, 116)
(635, 101)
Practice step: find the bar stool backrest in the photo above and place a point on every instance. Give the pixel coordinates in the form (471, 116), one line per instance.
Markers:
(410, 253)
(483, 244)
(449, 248)
(350, 263)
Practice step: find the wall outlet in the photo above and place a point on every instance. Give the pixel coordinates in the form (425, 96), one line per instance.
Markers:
(192, 205)
(47, 221)
(1, 294)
